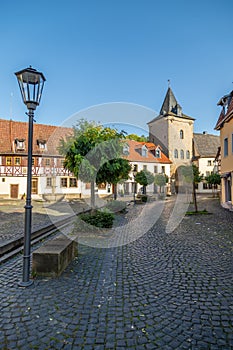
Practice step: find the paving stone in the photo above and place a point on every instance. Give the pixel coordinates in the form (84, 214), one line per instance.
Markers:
(162, 291)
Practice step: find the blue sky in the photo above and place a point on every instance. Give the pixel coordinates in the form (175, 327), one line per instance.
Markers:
(97, 52)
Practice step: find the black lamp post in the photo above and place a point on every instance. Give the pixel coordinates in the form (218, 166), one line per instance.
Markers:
(31, 85)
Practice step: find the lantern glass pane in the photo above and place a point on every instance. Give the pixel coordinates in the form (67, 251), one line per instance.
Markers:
(31, 85)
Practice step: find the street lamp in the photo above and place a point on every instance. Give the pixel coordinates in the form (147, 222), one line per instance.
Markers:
(31, 85)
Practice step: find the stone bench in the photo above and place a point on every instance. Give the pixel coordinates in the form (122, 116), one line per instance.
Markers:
(54, 256)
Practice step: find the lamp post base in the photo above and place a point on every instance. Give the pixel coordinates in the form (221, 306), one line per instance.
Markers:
(25, 284)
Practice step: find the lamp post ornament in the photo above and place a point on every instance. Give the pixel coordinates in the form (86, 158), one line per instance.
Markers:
(31, 83)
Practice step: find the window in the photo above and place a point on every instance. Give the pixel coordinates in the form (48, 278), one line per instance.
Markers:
(102, 186)
(155, 169)
(42, 144)
(33, 161)
(126, 149)
(73, 182)
(8, 161)
(135, 167)
(209, 162)
(144, 167)
(181, 134)
(226, 147)
(157, 153)
(175, 153)
(187, 154)
(144, 151)
(182, 154)
(62, 162)
(20, 144)
(207, 173)
(163, 169)
(207, 186)
(232, 143)
(17, 160)
(47, 161)
(64, 182)
(49, 182)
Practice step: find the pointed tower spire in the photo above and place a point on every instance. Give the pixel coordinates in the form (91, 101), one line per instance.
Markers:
(170, 102)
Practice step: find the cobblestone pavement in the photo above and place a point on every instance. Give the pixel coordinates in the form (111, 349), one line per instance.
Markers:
(162, 291)
(43, 214)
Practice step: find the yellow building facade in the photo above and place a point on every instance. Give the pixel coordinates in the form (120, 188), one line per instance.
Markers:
(225, 126)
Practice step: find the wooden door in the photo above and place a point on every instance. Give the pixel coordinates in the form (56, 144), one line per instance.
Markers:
(14, 191)
(34, 186)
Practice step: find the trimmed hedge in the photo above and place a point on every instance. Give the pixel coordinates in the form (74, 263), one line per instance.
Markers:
(102, 219)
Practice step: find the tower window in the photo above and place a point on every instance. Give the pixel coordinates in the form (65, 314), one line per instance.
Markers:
(182, 154)
(175, 153)
(188, 155)
(181, 134)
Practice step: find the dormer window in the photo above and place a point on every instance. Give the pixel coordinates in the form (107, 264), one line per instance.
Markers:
(157, 153)
(144, 151)
(42, 145)
(20, 144)
(126, 149)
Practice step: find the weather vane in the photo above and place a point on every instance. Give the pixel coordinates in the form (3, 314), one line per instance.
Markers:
(168, 81)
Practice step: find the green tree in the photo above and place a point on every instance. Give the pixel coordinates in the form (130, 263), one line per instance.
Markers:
(144, 178)
(138, 138)
(114, 171)
(192, 176)
(160, 180)
(88, 149)
(214, 180)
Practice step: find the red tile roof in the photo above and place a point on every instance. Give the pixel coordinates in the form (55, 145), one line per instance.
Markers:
(11, 130)
(225, 117)
(135, 155)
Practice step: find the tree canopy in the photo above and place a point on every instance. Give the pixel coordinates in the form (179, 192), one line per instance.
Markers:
(144, 178)
(93, 154)
(213, 179)
(192, 176)
(160, 180)
(138, 138)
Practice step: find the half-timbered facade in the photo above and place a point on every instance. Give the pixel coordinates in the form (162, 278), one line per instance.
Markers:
(49, 178)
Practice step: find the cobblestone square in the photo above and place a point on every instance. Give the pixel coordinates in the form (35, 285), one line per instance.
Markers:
(161, 291)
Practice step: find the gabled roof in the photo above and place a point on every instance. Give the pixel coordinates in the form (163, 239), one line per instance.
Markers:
(224, 117)
(206, 145)
(135, 155)
(170, 106)
(11, 130)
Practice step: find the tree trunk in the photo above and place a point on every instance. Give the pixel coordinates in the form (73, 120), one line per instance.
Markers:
(115, 191)
(92, 194)
(195, 198)
(144, 189)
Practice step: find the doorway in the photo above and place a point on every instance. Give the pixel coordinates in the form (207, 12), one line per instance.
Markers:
(14, 192)
(34, 186)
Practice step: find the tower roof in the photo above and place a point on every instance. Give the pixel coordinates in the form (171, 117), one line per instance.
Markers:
(169, 102)
(170, 106)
